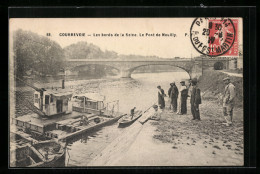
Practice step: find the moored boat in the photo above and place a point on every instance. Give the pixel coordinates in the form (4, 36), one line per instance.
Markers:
(128, 119)
(41, 154)
(59, 115)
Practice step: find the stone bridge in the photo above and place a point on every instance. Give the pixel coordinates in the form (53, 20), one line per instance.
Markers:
(192, 66)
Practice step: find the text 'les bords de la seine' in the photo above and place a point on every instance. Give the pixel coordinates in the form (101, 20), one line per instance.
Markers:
(120, 34)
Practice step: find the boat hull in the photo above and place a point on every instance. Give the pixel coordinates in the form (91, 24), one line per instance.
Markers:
(59, 161)
(89, 129)
(125, 123)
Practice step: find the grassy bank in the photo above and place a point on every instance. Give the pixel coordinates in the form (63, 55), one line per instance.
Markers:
(212, 86)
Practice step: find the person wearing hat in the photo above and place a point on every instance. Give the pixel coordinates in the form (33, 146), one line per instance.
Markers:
(170, 89)
(195, 100)
(182, 103)
(152, 113)
(161, 95)
(228, 101)
(173, 94)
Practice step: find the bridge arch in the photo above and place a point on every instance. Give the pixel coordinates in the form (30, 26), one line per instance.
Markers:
(128, 73)
(218, 66)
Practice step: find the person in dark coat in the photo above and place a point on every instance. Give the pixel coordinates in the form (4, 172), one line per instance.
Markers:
(174, 92)
(132, 112)
(184, 96)
(195, 100)
(169, 93)
(170, 90)
(161, 96)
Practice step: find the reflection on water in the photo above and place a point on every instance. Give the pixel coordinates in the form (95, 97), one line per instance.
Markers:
(140, 91)
(89, 145)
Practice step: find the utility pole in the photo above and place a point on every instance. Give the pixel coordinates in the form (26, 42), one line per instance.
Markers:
(64, 78)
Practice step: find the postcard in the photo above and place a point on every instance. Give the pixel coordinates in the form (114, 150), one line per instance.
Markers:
(126, 92)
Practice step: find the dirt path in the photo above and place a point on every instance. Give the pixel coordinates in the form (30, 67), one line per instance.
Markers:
(175, 140)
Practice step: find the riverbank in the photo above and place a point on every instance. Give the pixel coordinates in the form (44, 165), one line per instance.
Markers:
(206, 142)
(176, 140)
(168, 142)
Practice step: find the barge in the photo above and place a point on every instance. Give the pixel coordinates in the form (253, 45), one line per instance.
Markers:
(58, 116)
(64, 115)
(24, 153)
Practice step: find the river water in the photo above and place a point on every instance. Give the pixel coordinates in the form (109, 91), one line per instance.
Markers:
(140, 91)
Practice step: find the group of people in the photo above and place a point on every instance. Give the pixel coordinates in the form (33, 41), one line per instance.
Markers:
(179, 97)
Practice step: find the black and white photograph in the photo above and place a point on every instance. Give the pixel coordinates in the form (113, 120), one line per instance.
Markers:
(104, 92)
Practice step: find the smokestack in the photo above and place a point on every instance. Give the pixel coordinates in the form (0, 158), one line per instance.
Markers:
(63, 84)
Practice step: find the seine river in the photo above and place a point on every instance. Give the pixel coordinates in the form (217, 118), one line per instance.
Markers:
(140, 91)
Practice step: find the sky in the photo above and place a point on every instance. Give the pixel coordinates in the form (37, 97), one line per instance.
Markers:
(177, 45)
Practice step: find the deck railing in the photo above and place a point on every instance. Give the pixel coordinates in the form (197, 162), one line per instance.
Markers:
(112, 107)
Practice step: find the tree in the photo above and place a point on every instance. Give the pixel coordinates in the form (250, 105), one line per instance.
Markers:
(36, 53)
(83, 50)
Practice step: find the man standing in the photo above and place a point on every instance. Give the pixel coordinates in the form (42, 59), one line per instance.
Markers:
(174, 96)
(228, 101)
(195, 100)
(183, 99)
(169, 93)
(132, 112)
(170, 90)
(161, 96)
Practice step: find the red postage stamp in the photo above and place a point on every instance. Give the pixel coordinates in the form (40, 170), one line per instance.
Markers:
(215, 36)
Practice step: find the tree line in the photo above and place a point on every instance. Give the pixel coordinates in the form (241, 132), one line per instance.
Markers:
(38, 55)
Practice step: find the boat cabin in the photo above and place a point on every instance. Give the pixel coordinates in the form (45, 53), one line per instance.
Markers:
(53, 101)
(88, 103)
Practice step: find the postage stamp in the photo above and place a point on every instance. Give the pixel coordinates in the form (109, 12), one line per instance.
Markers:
(215, 36)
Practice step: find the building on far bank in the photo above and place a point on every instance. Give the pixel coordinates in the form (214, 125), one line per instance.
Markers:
(220, 63)
(240, 61)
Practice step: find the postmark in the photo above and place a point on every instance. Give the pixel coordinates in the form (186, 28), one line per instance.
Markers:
(215, 36)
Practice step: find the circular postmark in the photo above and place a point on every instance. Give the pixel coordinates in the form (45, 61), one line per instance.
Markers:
(212, 36)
